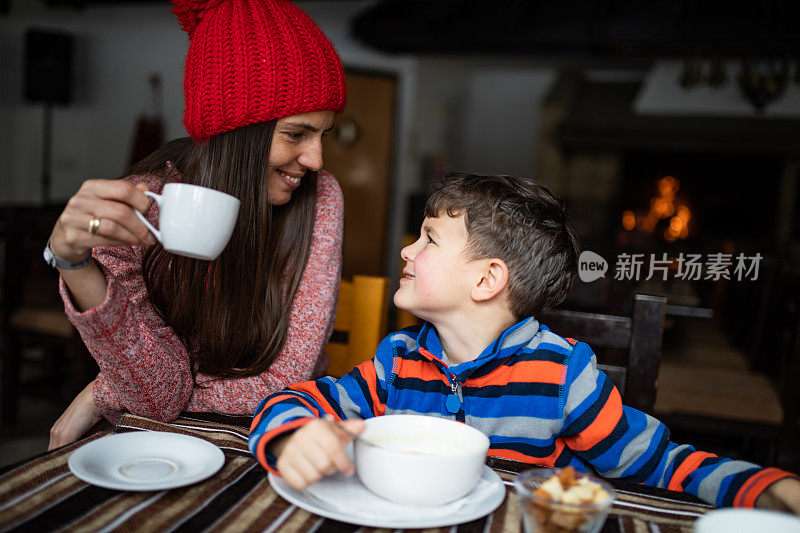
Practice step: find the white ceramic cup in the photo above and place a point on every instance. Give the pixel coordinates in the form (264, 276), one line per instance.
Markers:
(746, 521)
(419, 460)
(193, 221)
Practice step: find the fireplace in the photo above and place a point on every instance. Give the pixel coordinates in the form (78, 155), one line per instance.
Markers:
(732, 182)
(700, 200)
(737, 176)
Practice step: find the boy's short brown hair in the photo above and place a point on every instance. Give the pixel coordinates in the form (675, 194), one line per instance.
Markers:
(519, 221)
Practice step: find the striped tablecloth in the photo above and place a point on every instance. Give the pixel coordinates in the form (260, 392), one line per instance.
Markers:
(42, 495)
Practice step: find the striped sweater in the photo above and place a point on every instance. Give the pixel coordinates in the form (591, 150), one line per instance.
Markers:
(539, 398)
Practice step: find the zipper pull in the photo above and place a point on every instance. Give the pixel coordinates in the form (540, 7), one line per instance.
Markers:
(453, 402)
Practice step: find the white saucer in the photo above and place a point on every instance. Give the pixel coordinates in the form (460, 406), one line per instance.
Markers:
(338, 504)
(145, 460)
(747, 521)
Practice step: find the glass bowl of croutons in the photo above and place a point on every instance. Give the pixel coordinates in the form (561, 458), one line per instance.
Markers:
(561, 500)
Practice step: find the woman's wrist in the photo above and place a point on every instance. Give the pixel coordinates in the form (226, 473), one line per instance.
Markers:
(61, 250)
(88, 286)
(62, 263)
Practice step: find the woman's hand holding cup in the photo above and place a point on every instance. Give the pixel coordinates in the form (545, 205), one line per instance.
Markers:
(101, 213)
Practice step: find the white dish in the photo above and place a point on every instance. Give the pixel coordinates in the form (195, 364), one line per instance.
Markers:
(338, 504)
(146, 460)
(422, 461)
(746, 521)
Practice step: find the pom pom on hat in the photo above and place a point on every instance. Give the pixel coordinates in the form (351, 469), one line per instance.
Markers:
(189, 12)
(251, 61)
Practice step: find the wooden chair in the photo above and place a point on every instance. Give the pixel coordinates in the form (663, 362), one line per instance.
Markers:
(360, 322)
(744, 411)
(639, 335)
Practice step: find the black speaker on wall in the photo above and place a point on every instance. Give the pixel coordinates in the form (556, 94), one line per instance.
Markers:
(48, 67)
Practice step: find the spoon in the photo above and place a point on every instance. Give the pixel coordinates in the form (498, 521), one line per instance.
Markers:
(330, 418)
(359, 438)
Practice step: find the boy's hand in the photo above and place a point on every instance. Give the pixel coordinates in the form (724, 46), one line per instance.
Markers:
(783, 495)
(316, 450)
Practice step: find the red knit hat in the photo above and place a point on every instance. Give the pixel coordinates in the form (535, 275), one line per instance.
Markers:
(251, 61)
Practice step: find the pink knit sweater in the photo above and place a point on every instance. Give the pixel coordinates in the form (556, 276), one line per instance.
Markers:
(144, 367)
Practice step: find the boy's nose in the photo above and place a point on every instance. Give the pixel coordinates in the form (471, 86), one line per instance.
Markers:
(405, 253)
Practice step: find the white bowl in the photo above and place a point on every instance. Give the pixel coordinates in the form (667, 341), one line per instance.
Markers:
(420, 460)
(746, 521)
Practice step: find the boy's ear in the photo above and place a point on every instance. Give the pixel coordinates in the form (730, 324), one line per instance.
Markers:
(494, 278)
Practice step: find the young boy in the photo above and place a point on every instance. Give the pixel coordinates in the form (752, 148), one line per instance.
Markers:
(493, 253)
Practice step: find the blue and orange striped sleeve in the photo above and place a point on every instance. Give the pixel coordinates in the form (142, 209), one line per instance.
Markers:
(622, 442)
(361, 393)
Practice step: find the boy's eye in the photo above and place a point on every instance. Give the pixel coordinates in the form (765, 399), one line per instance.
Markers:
(294, 135)
(430, 240)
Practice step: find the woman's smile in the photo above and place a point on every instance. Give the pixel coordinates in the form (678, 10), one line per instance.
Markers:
(292, 180)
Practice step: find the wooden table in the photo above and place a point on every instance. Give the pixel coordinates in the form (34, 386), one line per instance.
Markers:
(41, 494)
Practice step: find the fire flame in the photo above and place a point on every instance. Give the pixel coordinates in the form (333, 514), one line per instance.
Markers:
(663, 206)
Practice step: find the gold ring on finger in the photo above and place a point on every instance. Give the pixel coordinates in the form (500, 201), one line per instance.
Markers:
(94, 225)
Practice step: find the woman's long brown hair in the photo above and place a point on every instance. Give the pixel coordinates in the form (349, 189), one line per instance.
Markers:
(233, 313)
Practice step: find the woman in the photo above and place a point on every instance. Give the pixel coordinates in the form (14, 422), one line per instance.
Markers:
(171, 333)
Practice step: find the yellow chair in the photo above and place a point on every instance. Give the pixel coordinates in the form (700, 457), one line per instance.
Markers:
(360, 313)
